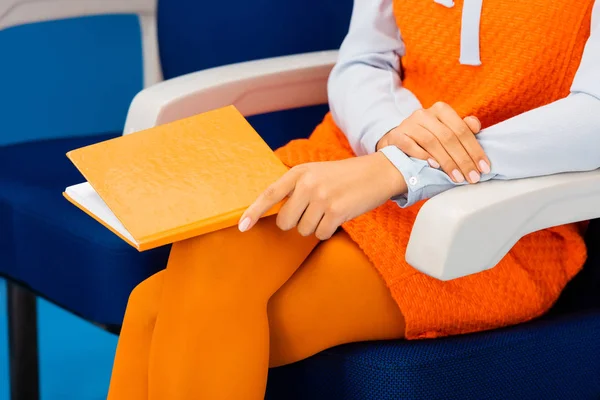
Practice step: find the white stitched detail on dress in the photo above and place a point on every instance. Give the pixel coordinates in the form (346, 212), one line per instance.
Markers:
(469, 32)
(445, 3)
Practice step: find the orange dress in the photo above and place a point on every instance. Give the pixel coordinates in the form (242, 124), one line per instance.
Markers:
(530, 51)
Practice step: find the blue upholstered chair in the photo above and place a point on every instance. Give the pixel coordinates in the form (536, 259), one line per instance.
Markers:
(56, 251)
(68, 72)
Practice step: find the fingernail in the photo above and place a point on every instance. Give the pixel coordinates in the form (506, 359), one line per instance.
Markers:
(458, 177)
(474, 177)
(433, 163)
(244, 224)
(485, 168)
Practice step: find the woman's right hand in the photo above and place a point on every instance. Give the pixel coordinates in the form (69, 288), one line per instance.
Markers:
(439, 136)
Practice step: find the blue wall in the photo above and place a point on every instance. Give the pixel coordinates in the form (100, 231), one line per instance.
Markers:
(75, 356)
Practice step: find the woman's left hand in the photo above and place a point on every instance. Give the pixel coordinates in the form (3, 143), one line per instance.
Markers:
(324, 195)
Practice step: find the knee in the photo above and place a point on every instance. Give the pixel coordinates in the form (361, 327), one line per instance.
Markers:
(252, 265)
(144, 300)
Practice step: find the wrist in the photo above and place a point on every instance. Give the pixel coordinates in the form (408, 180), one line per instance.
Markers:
(393, 178)
(383, 142)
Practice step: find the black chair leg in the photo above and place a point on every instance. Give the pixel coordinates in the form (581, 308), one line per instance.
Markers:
(23, 343)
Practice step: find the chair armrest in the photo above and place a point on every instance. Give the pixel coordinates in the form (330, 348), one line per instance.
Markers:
(489, 217)
(469, 229)
(19, 12)
(254, 87)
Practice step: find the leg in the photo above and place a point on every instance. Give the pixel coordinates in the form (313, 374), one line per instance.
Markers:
(130, 372)
(23, 343)
(211, 339)
(335, 297)
(337, 276)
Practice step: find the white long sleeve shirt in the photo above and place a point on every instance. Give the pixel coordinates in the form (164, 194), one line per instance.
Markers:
(367, 100)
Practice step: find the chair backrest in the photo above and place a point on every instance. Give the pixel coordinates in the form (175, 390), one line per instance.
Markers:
(72, 68)
(195, 35)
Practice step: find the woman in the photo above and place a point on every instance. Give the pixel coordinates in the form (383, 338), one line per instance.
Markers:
(267, 293)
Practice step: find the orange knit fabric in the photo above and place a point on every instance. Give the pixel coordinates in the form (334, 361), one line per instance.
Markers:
(530, 52)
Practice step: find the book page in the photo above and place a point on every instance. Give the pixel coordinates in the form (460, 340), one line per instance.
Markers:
(87, 198)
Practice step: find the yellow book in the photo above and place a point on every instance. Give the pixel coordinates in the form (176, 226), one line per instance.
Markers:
(175, 181)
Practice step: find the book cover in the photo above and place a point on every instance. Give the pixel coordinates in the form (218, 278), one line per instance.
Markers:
(177, 180)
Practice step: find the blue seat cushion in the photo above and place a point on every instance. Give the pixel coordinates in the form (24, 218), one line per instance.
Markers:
(56, 249)
(557, 357)
(69, 258)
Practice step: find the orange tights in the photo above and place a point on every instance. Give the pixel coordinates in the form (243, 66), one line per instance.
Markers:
(230, 305)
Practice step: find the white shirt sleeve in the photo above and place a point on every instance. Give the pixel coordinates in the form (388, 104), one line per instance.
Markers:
(367, 100)
(366, 97)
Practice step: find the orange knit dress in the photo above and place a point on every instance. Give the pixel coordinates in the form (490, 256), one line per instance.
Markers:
(530, 51)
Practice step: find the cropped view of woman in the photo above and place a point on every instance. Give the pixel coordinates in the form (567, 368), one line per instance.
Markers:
(426, 95)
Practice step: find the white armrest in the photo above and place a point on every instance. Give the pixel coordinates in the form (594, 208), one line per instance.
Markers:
(460, 232)
(470, 228)
(17, 12)
(254, 87)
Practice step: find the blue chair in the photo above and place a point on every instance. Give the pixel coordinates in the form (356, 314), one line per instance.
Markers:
(68, 73)
(82, 267)
(67, 77)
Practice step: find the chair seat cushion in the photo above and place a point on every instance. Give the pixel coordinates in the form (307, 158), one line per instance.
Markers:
(557, 357)
(56, 249)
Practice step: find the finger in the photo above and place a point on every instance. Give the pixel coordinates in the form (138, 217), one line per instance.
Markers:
(467, 138)
(327, 227)
(292, 210)
(427, 140)
(412, 149)
(473, 123)
(475, 126)
(453, 146)
(268, 199)
(383, 142)
(310, 219)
